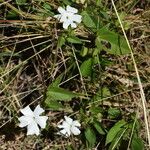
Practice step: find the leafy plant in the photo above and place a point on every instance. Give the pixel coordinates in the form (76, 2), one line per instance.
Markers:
(74, 71)
(118, 43)
(114, 131)
(91, 137)
(86, 67)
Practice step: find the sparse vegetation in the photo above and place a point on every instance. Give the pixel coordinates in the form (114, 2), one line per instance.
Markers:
(86, 73)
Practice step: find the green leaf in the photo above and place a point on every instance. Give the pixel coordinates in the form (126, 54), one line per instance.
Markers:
(66, 2)
(21, 2)
(117, 140)
(102, 93)
(98, 2)
(113, 113)
(114, 130)
(61, 41)
(57, 81)
(137, 144)
(74, 40)
(90, 136)
(105, 92)
(96, 110)
(69, 147)
(99, 128)
(57, 93)
(12, 14)
(55, 105)
(84, 52)
(118, 43)
(87, 20)
(86, 67)
(98, 43)
(46, 6)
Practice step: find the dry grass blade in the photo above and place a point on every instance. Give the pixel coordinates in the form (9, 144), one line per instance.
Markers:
(5, 2)
(81, 77)
(137, 75)
(23, 14)
(24, 62)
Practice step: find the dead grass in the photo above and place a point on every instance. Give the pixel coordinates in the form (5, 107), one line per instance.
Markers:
(24, 77)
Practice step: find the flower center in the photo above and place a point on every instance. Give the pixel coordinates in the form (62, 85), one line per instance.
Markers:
(34, 118)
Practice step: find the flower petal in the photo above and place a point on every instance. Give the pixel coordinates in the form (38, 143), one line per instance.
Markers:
(24, 121)
(66, 24)
(27, 111)
(33, 129)
(73, 25)
(38, 110)
(41, 120)
(65, 124)
(68, 120)
(66, 17)
(75, 130)
(71, 9)
(57, 16)
(61, 10)
(76, 123)
(77, 18)
(60, 126)
(65, 132)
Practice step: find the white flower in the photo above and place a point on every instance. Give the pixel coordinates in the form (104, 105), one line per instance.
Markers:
(31, 119)
(69, 127)
(68, 17)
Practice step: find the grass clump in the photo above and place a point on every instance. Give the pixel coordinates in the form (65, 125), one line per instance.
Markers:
(85, 72)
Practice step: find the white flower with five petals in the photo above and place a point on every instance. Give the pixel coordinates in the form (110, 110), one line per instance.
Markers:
(32, 119)
(69, 127)
(68, 17)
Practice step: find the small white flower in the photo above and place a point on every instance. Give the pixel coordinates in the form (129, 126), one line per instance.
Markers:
(69, 127)
(32, 119)
(68, 17)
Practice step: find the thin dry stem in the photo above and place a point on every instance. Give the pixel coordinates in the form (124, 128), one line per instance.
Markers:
(81, 77)
(137, 75)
